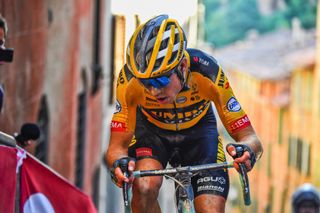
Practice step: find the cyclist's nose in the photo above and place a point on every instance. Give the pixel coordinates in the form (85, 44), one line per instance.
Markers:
(155, 91)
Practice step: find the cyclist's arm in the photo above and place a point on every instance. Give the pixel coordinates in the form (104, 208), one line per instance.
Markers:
(122, 125)
(118, 149)
(248, 137)
(118, 146)
(231, 114)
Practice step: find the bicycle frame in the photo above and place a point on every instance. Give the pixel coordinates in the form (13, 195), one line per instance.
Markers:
(182, 177)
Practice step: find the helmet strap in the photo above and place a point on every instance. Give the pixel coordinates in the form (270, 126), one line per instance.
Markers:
(182, 77)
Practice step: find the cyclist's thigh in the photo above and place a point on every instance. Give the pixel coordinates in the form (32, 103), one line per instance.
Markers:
(150, 153)
(147, 144)
(148, 183)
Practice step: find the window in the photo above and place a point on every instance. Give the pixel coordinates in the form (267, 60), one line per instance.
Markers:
(292, 151)
(269, 167)
(81, 138)
(280, 129)
(305, 164)
(41, 151)
(299, 155)
(284, 195)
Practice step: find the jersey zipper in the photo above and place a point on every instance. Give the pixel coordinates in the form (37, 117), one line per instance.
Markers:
(176, 116)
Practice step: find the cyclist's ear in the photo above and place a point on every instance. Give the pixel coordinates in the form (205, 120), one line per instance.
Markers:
(183, 66)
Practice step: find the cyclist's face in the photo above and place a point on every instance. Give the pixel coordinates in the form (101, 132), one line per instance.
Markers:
(167, 94)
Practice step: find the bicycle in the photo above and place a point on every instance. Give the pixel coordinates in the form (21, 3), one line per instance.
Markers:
(182, 178)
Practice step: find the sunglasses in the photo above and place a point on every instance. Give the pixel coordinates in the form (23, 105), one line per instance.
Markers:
(159, 82)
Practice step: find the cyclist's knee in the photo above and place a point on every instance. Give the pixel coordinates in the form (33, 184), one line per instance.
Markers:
(210, 203)
(147, 186)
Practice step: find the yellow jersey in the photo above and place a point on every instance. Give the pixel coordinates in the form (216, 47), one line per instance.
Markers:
(206, 84)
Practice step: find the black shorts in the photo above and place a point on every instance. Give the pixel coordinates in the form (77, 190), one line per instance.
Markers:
(197, 145)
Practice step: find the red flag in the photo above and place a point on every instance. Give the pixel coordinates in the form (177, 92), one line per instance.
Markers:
(42, 190)
(8, 165)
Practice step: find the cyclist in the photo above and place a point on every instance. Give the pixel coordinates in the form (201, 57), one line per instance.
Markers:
(164, 103)
(306, 199)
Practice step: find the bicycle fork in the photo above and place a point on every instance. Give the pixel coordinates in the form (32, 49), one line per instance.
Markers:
(184, 193)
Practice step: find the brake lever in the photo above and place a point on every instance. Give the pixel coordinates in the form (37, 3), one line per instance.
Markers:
(244, 178)
(125, 185)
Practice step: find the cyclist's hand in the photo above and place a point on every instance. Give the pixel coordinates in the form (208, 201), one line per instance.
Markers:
(121, 171)
(241, 153)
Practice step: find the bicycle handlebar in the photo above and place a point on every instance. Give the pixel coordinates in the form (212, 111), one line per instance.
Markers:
(125, 186)
(125, 193)
(172, 171)
(244, 180)
(213, 166)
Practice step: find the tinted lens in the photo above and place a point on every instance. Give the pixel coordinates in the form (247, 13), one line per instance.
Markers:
(159, 82)
(156, 82)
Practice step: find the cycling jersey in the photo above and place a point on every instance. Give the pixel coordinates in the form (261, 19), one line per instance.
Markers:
(206, 83)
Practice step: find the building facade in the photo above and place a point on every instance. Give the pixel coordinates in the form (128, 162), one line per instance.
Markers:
(275, 78)
(58, 79)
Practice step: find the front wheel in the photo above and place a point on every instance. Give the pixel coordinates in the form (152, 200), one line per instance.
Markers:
(184, 199)
(186, 206)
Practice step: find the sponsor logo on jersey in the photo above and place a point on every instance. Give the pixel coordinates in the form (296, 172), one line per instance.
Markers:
(181, 99)
(210, 188)
(195, 98)
(227, 85)
(178, 115)
(222, 80)
(233, 105)
(148, 104)
(150, 99)
(143, 152)
(152, 102)
(221, 180)
(118, 126)
(201, 61)
(118, 107)
(120, 78)
(239, 123)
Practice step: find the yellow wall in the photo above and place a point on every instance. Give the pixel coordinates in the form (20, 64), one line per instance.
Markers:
(281, 113)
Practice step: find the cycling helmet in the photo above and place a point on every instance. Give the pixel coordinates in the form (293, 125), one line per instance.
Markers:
(156, 47)
(305, 194)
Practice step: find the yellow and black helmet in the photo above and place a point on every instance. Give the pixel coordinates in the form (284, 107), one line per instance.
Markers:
(156, 47)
